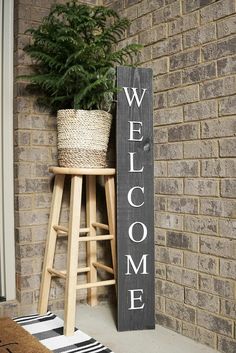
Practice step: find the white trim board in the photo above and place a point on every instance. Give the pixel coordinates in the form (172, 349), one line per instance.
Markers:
(8, 288)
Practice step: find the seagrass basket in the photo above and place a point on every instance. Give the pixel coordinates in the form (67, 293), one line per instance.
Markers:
(82, 138)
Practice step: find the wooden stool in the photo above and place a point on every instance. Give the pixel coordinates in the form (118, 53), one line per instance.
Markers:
(73, 233)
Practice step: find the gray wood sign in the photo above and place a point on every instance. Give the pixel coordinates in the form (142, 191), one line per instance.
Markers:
(135, 193)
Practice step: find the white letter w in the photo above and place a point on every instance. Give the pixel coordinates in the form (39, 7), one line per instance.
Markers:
(130, 100)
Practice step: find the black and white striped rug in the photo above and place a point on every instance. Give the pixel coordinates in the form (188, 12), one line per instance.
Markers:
(48, 329)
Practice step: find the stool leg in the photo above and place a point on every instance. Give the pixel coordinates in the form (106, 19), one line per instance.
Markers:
(72, 254)
(50, 243)
(110, 201)
(92, 245)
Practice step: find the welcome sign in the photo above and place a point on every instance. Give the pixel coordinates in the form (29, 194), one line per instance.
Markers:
(135, 193)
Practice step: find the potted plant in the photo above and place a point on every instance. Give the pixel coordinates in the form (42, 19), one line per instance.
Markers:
(74, 58)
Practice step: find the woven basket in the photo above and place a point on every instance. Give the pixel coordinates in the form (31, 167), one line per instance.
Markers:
(83, 137)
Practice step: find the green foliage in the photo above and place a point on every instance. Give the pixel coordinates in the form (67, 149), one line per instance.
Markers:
(74, 54)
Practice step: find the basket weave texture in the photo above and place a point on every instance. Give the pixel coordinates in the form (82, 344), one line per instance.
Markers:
(83, 137)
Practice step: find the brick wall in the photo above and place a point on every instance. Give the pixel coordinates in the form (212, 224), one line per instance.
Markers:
(35, 151)
(191, 47)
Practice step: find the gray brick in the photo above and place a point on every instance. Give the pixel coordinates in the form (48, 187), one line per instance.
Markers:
(214, 323)
(219, 49)
(169, 186)
(23, 202)
(169, 256)
(182, 276)
(202, 300)
(183, 168)
(166, 47)
(148, 6)
(153, 35)
(160, 204)
(217, 10)
(227, 228)
(169, 322)
(208, 264)
(168, 151)
(160, 135)
(202, 263)
(170, 290)
(160, 271)
(226, 345)
(201, 225)
(23, 235)
(222, 287)
(183, 132)
(183, 95)
(160, 66)
(164, 82)
(182, 240)
(169, 221)
(228, 147)
(180, 311)
(199, 35)
(22, 138)
(206, 337)
(183, 205)
(216, 207)
(219, 247)
(32, 185)
(217, 88)
(191, 260)
(200, 149)
(228, 308)
(45, 138)
(167, 13)
(219, 128)
(159, 304)
(228, 188)
(228, 267)
(184, 59)
(227, 106)
(189, 6)
(41, 170)
(27, 218)
(160, 169)
(226, 27)
(30, 154)
(43, 201)
(168, 116)
(183, 24)
(200, 110)
(218, 168)
(201, 187)
(39, 233)
(160, 100)
(140, 24)
(199, 73)
(30, 250)
(160, 236)
(226, 66)
(145, 55)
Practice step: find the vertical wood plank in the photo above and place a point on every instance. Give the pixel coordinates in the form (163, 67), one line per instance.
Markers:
(135, 204)
(50, 243)
(91, 245)
(72, 254)
(110, 201)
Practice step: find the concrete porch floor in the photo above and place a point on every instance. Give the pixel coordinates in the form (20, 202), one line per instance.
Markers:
(99, 322)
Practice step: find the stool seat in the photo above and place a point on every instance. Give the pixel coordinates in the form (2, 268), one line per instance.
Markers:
(75, 235)
(82, 171)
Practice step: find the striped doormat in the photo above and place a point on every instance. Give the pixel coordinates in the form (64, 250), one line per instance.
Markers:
(48, 329)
